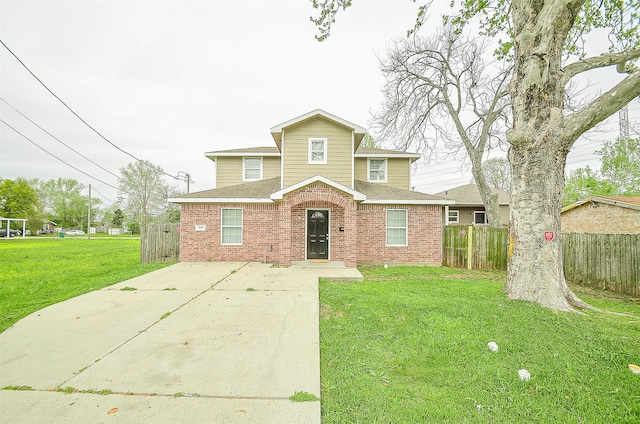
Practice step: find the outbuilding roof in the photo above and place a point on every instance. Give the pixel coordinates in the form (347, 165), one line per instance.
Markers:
(469, 195)
(621, 201)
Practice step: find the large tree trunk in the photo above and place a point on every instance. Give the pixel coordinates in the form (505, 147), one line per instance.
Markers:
(535, 270)
(490, 200)
(538, 152)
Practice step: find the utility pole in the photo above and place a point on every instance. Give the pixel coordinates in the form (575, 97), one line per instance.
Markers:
(623, 115)
(184, 176)
(89, 216)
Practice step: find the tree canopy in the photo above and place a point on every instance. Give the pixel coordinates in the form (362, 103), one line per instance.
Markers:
(619, 174)
(543, 40)
(621, 165)
(145, 192)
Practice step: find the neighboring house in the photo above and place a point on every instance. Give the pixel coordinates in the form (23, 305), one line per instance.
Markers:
(314, 195)
(48, 227)
(469, 207)
(602, 215)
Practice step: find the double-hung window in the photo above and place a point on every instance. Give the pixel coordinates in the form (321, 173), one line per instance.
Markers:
(378, 170)
(231, 228)
(454, 216)
(317, 150)
(396, 227)
(252, 169)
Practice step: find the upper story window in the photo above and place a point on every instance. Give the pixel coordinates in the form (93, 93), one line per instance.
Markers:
(317, 150)
(377, 170)
(252, 169)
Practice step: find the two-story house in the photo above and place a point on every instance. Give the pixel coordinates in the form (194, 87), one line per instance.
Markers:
(315, 195)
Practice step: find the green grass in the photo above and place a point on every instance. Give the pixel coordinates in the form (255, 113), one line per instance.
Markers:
(409, 345)
(38, 272)
(303, 397)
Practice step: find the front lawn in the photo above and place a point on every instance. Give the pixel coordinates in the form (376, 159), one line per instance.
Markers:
(409, 345)
(38, 272)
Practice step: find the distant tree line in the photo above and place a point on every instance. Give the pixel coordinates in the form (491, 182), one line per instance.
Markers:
(142, 200)
(619, 173)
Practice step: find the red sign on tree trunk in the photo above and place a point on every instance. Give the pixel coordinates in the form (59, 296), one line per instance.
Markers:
(549, 235)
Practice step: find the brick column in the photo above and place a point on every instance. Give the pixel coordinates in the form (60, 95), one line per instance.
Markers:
(284, 238)
(351, 234)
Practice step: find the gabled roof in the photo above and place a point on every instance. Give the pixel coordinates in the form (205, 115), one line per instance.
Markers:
(249, 151)
(276, 131)
(621, 201)
(362, 152)
(382, 194)
(279, 195)
(469, 195)
(268, 191)
(253, 192)
(368, 152)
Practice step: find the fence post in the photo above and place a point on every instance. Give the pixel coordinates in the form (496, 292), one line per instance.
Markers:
(470, 247)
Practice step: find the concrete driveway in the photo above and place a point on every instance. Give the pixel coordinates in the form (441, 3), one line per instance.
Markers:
(193, 343)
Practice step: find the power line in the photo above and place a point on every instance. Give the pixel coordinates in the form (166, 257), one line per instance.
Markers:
(57, 139)
(46, 151)
(72, 111)
(102, 195)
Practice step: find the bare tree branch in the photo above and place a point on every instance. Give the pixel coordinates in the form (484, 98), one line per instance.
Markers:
(440, 97)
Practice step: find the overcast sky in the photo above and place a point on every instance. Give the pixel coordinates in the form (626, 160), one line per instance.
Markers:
(167, 81)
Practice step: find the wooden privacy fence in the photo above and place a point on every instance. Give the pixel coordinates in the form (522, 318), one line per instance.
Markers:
(609, 261)
(160, 243)
(475, 247)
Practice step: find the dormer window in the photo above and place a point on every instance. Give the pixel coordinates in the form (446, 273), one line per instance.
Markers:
(317, 150)
(252, 169)
(377, 170)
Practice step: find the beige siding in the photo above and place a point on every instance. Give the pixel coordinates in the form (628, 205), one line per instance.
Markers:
(398, 170)
(270, 167)
(465, 214)
(229, 170)
(339, 154)
(399, 173)
(361, 169)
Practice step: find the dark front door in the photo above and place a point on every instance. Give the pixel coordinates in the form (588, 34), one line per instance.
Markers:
(317, 234)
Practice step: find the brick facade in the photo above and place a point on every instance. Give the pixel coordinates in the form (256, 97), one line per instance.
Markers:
(277, 232)
(424, 233)
(603, 219)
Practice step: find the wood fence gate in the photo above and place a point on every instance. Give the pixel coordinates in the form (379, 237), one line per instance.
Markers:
(475, 247)
(160, 243)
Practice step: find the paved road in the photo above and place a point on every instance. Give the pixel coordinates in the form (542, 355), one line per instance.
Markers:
(194, 343)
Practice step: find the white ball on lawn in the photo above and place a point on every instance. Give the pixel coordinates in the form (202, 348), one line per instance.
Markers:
(524, 375)
(386, 266)
(493, 346)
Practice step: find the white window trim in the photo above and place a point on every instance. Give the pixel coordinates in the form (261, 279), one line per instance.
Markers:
(222, 226)
(457, 212)
(244, 168)
(386, 170)
(406, 228)
(317, 162)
